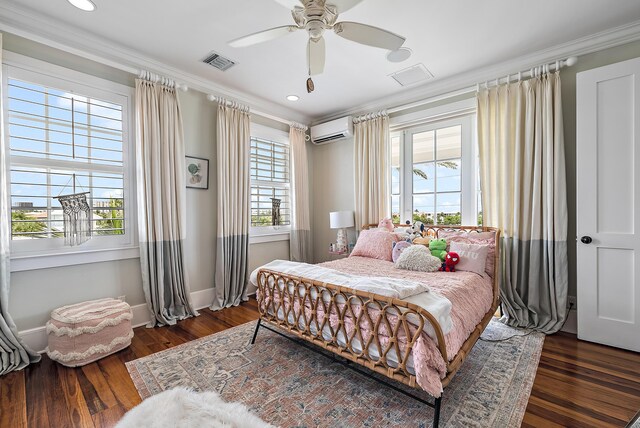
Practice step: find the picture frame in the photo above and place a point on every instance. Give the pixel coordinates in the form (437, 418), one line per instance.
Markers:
(197, 172)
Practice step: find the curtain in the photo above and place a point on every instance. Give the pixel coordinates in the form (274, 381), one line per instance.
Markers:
(371, 168)
(523, 179)
(234, 190)
(14, 355)
(300, 240)
(161, 202)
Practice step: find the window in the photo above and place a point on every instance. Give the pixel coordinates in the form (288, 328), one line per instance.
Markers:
(66, 137)
(270, 179)
(433, 179)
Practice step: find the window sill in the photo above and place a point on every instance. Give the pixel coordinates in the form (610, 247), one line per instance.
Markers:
(269, 237)
(44, 261)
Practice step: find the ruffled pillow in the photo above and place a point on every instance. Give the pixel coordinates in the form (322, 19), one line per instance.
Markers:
(473, 257)
(482, 238)
(375, 244)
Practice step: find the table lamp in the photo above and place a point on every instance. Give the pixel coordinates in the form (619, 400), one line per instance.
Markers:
(341, 220)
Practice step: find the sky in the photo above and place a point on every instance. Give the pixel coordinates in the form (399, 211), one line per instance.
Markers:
(28, 130)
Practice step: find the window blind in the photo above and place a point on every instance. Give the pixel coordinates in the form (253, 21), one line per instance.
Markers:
(269, 179)
(60, 143)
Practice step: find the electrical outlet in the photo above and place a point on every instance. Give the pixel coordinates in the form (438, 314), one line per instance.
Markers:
(122, 298)
(571, 301)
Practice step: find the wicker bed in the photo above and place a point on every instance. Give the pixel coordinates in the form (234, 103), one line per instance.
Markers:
(351, 323)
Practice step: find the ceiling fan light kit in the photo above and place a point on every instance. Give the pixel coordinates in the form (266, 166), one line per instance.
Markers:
(318, 16)
(399, 55)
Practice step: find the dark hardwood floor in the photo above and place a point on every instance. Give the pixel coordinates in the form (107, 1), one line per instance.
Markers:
(578, 384)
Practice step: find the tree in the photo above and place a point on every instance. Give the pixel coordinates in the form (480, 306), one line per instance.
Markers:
(113, 218)
(21, 222)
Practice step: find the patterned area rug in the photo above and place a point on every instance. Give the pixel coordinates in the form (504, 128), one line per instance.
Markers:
(290, 386)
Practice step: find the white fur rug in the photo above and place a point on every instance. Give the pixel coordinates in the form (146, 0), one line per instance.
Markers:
(183, 408)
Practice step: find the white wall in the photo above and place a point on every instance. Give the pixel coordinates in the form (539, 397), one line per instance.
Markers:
(35, 293)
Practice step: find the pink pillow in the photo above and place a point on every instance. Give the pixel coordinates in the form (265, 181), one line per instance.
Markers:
(473, 257)
(482, 238)
(386, 224)
(375, 244)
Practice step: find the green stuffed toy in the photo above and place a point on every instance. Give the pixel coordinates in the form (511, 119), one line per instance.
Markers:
(438, 248)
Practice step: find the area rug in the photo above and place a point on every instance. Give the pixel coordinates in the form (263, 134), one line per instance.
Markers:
(288, 385)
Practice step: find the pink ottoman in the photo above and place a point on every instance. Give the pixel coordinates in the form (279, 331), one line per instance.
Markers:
(85, 332)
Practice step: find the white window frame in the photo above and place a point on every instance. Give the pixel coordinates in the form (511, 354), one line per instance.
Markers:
(261, 234)
(458, 113)
(46, 253)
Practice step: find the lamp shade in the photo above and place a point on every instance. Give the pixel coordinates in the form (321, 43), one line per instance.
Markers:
(341, 219)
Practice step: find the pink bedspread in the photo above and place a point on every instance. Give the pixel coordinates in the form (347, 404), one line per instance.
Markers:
(470, 294)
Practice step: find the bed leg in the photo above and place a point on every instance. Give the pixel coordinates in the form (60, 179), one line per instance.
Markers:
(436, 412)
(255, 333)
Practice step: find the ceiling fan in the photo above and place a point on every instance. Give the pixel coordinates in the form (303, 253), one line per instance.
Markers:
(316, 16)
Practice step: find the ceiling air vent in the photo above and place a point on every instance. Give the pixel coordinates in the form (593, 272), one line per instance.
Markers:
(412, 75)
(219, 62)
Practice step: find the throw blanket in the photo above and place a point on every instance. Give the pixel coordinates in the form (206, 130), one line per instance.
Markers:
(398, 288)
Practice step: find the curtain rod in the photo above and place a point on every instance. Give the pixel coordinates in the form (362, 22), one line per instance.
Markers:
(157, 78)
(534, 71)
(215, 98)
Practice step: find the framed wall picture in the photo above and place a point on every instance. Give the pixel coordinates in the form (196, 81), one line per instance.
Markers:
(197, 172)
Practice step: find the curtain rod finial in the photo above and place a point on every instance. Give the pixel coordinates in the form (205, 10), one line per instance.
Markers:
(211, 97)
(571, 61)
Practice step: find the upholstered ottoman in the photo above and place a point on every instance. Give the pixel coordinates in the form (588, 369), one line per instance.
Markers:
(85, 332)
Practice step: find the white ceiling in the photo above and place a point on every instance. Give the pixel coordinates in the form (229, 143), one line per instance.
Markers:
(449, 37)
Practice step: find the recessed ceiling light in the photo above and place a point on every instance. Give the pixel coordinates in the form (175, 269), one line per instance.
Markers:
(399, 55)
(293, 97)
(86, 5)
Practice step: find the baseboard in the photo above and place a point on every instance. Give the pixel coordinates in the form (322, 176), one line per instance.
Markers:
(571, 325)
(36, 338)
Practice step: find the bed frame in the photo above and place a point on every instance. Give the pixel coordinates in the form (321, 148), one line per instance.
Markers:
(402, 322)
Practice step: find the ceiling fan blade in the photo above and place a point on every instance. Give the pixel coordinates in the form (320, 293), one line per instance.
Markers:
(368, 35)
(262, 36)
(343, 5)
(315, 56)
(289, 4)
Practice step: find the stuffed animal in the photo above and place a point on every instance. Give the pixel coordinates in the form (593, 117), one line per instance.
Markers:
(438, 248)
(398, 248)
(416, 230)
(386, 224)
(450, 261)
(421, 240)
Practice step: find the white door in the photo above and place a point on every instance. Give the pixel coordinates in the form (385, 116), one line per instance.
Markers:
(608, 204)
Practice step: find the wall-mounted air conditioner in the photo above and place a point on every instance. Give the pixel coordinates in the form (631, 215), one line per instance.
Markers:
(334, 130)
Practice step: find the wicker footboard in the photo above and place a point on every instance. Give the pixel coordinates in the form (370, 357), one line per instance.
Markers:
(374, 331)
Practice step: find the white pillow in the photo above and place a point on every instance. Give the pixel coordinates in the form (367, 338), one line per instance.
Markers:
(473, 257)
(418, 258)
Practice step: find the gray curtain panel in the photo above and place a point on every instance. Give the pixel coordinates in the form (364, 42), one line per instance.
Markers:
(161, 203)
(234, 192)
(300, 239)
(523, 179)
(14, 355)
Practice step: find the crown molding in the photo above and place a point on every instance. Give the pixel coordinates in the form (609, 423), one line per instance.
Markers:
(440, 88)
(34, 26)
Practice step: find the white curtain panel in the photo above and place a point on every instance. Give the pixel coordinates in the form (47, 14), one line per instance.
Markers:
(161, 202)
(14, 355)
(234, 193)
(523, 179)
(371, 168)
(300, 240)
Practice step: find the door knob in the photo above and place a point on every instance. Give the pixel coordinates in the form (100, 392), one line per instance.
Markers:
(586, 240)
